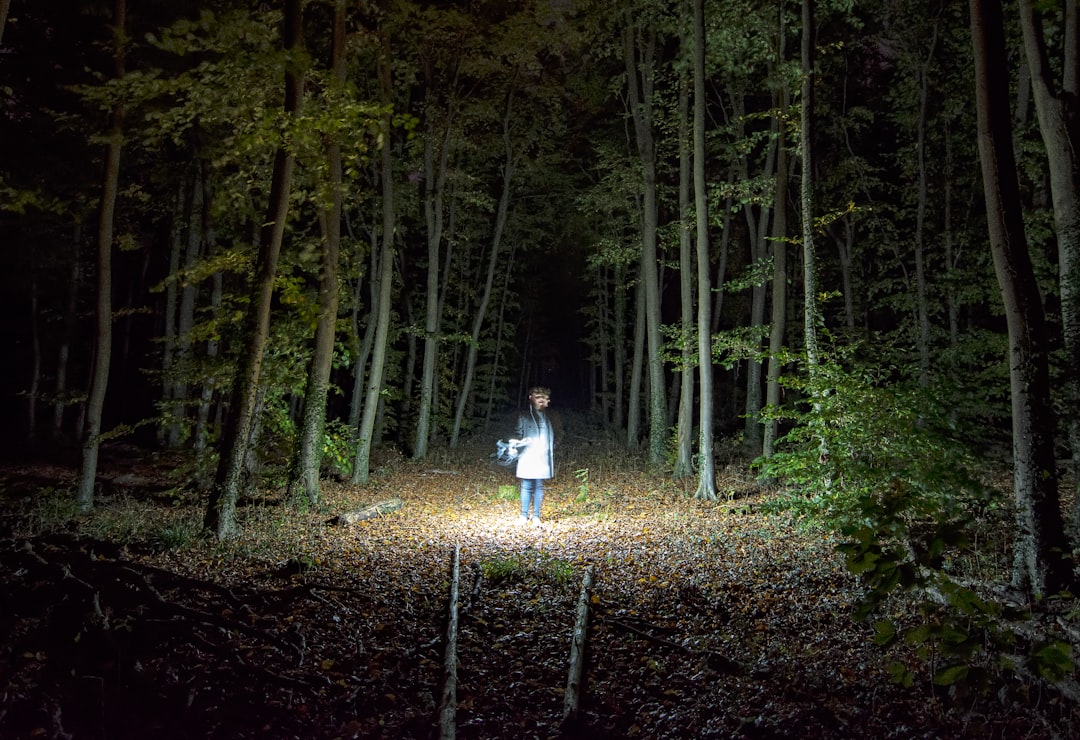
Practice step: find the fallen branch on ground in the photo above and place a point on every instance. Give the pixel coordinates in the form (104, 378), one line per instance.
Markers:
(368, 512)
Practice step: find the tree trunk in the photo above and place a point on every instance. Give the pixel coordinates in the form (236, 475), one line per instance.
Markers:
(778, 323)
(685, 426)
(1038, 567)
(509, 168)
(633, 414)
(1057, 111)
(221, 509)
(434, 194)
(811, 312)
(365, 433)
(168, 340)
(95, 401)
(921, 290)
(5, 6)
(185, 318)
(758, 230)
(304, 482)
(707, 465)
(201, 432)
(68, 335)
(639, 74)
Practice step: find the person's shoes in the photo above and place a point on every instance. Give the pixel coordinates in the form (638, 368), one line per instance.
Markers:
(535, 521)
(522, 520)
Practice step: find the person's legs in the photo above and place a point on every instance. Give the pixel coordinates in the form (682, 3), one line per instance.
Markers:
(538, 498)
(526, 495)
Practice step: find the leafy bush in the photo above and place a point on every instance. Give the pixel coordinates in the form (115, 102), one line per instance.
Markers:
(882, 462)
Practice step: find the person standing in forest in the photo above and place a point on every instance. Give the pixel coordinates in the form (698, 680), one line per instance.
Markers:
(536, 463)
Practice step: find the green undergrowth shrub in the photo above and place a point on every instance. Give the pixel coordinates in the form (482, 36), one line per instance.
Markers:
(523, 569)
(884, 463)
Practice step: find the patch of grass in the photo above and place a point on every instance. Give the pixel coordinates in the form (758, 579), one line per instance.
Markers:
(504, 570)
(516, 569)
(507, 493)
(177, 535)
(52, 509)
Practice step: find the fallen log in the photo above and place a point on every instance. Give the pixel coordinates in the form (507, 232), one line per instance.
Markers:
(577, 651)
(448, 708)
(368, 512)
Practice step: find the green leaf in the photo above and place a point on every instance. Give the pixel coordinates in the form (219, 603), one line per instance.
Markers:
(900, 675)
(951, 675)
(1053, 661)
(884, 632)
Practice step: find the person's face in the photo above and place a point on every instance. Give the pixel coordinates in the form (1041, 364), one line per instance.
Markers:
(539, 402)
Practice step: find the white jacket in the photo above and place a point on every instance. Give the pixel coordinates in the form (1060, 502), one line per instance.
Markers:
(537, 460)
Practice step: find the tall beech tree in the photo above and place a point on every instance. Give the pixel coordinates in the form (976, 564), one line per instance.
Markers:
(110, 186)
(778, 249)
(304, 476)
(707, 465)
(1057, 104)
(640, 52)
(220, 515)
(1040, 567)
(384, 272)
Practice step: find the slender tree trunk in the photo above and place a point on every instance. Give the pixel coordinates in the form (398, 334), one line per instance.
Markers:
(619, 331)
(185, 318)
(759, 252)
(633, 414)
(365, 340)
(806, 195)
(811, 312)
(365, 436)
(201, 432)
(1039, 567)
(241, 419)
(5, 7)
(95, 401)
(685, 425)
(640, 81)
(921, 289)
(509, 169)
(707, 466)
(68, 335)
(168, 341)
(778, 324)
(500, 323)
(1058, 110)
(304, 483)
(435, 192)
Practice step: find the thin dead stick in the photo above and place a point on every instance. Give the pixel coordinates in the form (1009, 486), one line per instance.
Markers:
(448, 710)
(577, 650)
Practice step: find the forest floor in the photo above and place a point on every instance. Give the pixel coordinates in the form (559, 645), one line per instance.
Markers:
(706, 620)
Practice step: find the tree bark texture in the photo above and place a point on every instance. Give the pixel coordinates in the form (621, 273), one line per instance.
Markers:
(221, 509)
(578, 642)
(1057, 108)
(448, 705)
(1038, 567)
(381, 318)
(639, 76)
(706, 464)
(304, 483)
(99, 381)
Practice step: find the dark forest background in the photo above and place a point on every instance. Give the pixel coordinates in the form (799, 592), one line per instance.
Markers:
(285, 236)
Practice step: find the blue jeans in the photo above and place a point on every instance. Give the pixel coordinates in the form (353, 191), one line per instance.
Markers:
(532, 490)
